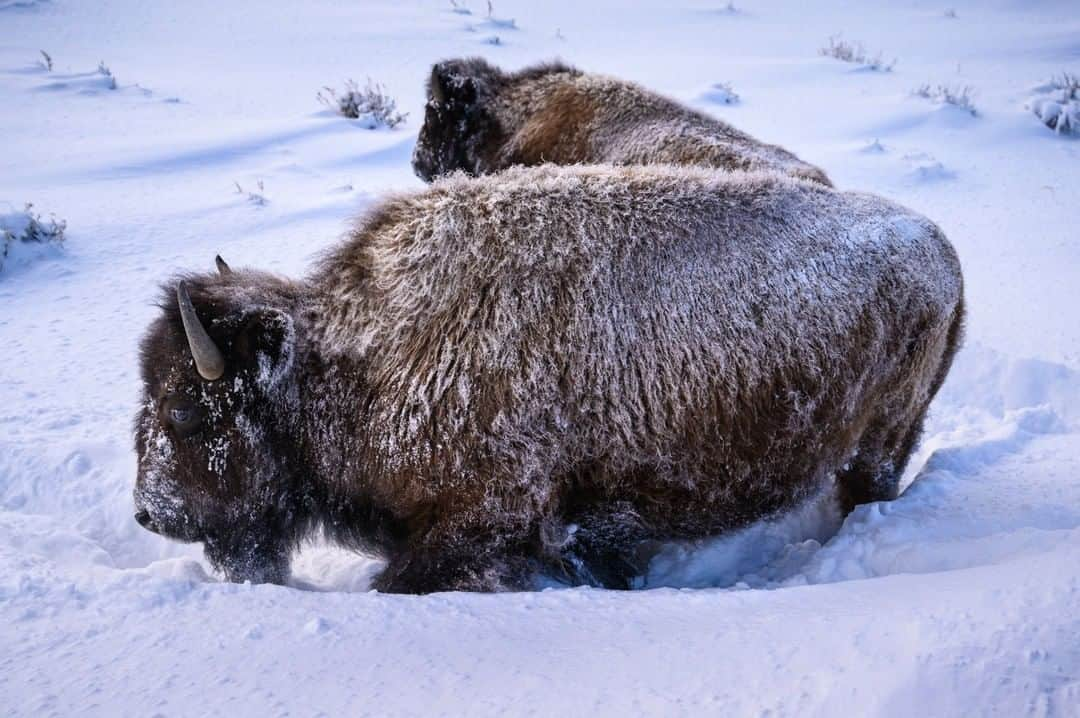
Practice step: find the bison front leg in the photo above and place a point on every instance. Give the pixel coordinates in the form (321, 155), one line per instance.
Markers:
(453, 559)
(248, 555)
(608, 547)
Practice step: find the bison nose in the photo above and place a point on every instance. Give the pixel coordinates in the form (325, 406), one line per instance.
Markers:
(143, 517)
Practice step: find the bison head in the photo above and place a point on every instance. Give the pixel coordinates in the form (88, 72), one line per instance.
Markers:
(459, 128)
(214, 433)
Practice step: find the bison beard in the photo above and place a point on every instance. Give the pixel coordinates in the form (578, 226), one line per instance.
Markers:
(545, 371)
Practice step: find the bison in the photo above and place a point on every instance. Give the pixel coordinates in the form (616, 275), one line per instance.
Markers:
(480, 119)
(542, 372)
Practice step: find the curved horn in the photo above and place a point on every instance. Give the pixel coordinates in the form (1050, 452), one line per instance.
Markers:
(436, 86)
(208, 358)
(222, 268)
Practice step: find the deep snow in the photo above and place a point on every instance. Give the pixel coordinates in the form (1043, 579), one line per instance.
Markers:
(961, 597)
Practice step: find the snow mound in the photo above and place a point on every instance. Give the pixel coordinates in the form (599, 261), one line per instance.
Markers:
(720, 93)
(25, 237)
(925, 168)
(874, 147)
(758, 556)
(1057, 104)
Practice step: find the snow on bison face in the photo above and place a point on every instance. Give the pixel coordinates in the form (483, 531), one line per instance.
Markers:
(213, 445)
(456, 126)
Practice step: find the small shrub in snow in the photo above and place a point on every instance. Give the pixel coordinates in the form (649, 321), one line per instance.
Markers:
(507, 24)
(46, 61)
(104, 70)
(950, 13)
(26, 229)
(925, 168)
(256, 198)
(492, 40)
(722, 93)
(854, 53)
(962, 97)
(1058, 104)
(371, 105)
(456, 6)
(873, 148)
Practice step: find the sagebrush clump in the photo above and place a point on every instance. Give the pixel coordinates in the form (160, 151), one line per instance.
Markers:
(722, 93)
(256, 198)
(961, 97)
(28, 228)
(370, 104)
(1058, 104)
(104, 71)
(856, 54)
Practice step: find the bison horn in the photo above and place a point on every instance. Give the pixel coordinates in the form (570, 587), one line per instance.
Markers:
(436, 85)
(222, 267)
(208, 358)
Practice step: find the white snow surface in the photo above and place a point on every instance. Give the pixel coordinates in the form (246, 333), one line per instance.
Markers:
(962, 597)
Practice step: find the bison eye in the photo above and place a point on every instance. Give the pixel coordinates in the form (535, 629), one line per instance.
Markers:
(182, 415)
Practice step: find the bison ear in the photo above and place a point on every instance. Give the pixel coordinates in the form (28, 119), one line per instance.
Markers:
(448, 86)
(264, 343)
(223, 268)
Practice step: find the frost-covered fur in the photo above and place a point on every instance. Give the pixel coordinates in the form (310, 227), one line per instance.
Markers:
(550, 368)
(480, 119)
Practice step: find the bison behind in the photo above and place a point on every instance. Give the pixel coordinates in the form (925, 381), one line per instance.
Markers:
(480, 119)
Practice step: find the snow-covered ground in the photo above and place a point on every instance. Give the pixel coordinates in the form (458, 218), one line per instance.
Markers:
(960, 598)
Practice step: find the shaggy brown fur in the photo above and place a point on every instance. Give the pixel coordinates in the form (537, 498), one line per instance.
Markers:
(480, 120)
(544, 369)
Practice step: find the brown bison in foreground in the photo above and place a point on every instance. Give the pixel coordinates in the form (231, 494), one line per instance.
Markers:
(480, 120)
(540, 371)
